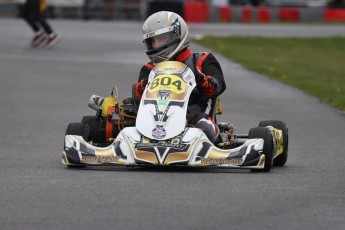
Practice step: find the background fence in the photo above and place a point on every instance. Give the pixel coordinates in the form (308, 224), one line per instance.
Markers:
(246, 11)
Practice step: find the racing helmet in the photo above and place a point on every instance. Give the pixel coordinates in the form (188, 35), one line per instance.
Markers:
(165, 34)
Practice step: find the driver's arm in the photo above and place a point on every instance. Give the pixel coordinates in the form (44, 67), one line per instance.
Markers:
(210, 76)
(142, 81)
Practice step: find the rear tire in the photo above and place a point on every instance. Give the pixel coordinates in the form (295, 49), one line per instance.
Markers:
(79, 129)
(282, 158)
(265, 134)
(95, 134)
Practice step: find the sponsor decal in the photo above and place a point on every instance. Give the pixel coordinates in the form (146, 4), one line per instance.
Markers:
(165, 145)
(169, 69)
(163, 94)
(111, 159)
(187, 78)
(159, 132)
(151, 34)
(234, 161)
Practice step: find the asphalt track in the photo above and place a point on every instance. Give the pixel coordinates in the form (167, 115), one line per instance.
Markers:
(41, 91)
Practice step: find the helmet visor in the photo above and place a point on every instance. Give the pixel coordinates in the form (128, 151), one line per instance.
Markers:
(159, 40)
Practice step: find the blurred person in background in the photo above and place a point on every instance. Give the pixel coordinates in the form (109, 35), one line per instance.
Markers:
(166, 38)
(34, 14)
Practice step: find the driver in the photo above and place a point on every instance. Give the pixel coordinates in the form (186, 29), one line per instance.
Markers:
(166, 37)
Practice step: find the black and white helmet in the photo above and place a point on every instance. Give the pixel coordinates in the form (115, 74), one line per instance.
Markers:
(164, 35)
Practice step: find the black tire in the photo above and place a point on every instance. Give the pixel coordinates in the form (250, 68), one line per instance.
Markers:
(76, 166)
(282, 158)
(265, 134)
(96, 135)
(79, 129)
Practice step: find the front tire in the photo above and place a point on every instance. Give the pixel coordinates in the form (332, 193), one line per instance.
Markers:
(282, 158)
(265, 134)
(79, 129)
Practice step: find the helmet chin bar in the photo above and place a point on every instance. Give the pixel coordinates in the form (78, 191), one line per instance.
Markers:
(158, 59)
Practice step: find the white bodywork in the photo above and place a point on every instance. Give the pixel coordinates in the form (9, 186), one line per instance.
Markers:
(161, 136)
(130, 148)
(163, 107)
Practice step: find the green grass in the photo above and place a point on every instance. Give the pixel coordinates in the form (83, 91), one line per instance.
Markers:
(315, 65)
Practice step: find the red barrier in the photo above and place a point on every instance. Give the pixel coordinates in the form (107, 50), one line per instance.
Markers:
(246, 14)
(196, 12)
(225, 14)
(263, 15)
(334, 15)
(289, 14)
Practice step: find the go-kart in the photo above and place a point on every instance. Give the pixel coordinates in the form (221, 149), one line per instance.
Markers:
(155, 132)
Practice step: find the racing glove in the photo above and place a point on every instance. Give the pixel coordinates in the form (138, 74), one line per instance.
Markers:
(139, 88)
(207, 83)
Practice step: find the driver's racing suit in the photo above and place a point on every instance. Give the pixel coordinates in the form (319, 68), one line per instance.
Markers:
(210, 84)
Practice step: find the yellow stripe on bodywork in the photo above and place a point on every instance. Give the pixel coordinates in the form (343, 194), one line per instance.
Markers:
(104, 153)
(217, 154)
(64, 158)
(146, 156)
(176, 157)
(262, 160)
